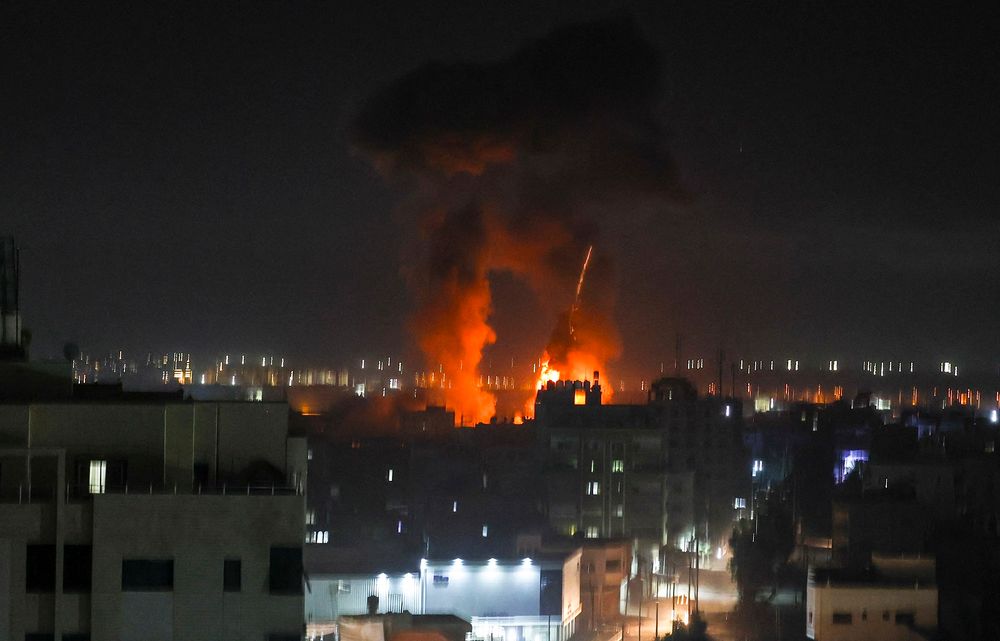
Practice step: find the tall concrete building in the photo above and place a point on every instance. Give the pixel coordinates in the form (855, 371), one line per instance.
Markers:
(149, 518)
(666, 474)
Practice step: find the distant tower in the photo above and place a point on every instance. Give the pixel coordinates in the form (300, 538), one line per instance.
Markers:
(10, 314)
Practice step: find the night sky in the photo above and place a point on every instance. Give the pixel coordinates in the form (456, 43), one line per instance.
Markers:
(183, 178)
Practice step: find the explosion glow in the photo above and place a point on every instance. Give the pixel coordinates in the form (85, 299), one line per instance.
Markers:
(506, 171)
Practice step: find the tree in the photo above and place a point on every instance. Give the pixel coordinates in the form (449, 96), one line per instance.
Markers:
(760, 550)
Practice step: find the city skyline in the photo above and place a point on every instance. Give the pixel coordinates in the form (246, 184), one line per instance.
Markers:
(194, 191)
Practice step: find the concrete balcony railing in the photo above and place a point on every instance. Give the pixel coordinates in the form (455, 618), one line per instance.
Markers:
(38, 493)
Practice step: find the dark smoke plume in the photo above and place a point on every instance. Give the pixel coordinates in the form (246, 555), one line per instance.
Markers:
(515, 165)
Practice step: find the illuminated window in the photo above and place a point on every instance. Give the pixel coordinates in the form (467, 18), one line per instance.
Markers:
(486, 530)
(593, 488)
(593, 466)
(310, 517)
(592, 532)
(389, 475)
(617, 465)
(98, 476)
(758, 467)
(619, 510)
(580, 397)
(739, 503)
(454, 506)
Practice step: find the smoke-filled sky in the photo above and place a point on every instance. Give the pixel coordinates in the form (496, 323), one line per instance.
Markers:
(186, 177)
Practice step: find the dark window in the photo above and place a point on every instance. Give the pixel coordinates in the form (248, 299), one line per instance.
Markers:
(77, 563)
(76, 636)
(143, 574)
(550, 592)
(39, 636)
(906, 618)
(40, 568)
(613, 566)
(285, 575)
(232, 575)
(885, 615)
(842, 618)
(284, 637)
(200, 471)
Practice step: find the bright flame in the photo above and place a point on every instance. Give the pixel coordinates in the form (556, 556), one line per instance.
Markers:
(581, 366)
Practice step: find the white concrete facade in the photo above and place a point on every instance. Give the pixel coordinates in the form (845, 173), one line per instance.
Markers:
(195, 530)
(503, 598)
(859, 612)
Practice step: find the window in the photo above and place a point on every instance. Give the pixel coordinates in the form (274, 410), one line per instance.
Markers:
(454, 506)
(147, 575)
(614, 565)
(486, 530)
(842, 618)
(389, 475)
(40, 568)
(620, 510)
(885, 615)
(98, 476)
(593, 466)
(617, 465)
(906, 618)
(39, 636)
(739, 503)
(758, 467)
(232, 575)
(593, 488)
(592, 532)
(75, 636)
(77, 562)
(310, 517)
(285, 571)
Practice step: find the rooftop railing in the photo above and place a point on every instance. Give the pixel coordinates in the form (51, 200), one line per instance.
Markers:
(46, 493)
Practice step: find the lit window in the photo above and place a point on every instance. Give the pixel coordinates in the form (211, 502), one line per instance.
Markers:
(486, 530)
(579, 397)
(593, 488)
(617, 465)
(758, 467)
(389, 475)
(739, 503)
(619, 510)
(593, 466)
(98, 476)
(454, 506)
(592, 532)
(310, 517)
